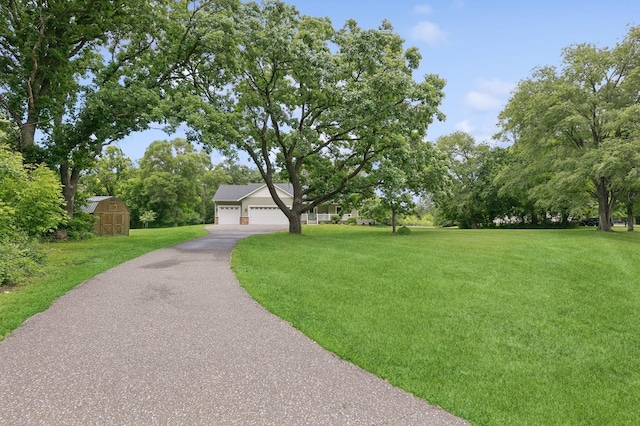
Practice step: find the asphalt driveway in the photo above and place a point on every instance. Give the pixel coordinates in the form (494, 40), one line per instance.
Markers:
(170, 338)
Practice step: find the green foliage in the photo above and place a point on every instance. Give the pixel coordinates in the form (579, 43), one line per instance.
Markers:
(335, 219)
(352, 221)
(472, 198)
(175, 181)
(403, 230)
(238, 174)
(406, 174)
(80, 75)
(108, 174)
(576, 127)
(29, 207)
(373, 208)
(423, 219)
(311, 104)
(30, 200)
(20, 257)
(499, 327)
(80, 227)
(147, 217)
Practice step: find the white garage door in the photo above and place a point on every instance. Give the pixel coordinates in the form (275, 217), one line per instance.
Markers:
(228, 215)
(267, 216)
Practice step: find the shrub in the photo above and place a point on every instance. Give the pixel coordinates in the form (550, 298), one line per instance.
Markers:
(335, 219)
(352, 221)
(30, 194)
(81, 227)
(403, 230)
(20, 256)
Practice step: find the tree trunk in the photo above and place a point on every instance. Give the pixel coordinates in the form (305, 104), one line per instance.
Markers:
(295, 224)
(28, 132)
(604, 206)
(69, 180)
(630, 217)
(393, 221)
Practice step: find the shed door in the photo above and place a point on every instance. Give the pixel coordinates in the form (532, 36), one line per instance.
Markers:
(118, 224)
(228, 215)
(106, 224)
(264, 215)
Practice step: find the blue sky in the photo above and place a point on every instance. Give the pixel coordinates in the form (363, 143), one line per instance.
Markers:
(482, 48)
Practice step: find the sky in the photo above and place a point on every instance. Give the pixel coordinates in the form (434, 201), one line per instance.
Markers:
(482, 48)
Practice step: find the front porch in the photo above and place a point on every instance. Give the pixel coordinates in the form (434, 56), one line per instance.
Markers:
(320, 214)
(315, 218)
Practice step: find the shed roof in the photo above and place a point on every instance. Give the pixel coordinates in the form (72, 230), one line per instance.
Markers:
(92, 203)
(239, 192)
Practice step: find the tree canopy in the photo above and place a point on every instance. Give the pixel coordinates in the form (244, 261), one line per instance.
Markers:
(311, 104)
(76, 76)
(170, 182)
(578, 123)
(406, 174)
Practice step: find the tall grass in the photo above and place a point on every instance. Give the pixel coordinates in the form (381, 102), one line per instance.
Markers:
(500, 327)
(71, 263)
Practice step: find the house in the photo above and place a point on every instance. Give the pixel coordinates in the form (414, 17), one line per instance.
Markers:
(252, 204)
(112, 215)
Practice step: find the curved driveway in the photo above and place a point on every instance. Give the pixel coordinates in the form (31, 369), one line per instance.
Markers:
(170, 338)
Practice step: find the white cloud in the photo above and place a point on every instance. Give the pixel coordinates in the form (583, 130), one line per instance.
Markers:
(496, 86)
(481, 134)
(489, 95)
(428, 32)
(422, 9)
(482, 102)
(464, 126)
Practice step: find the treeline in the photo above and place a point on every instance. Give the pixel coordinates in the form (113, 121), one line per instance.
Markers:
(173, 184)
(490, 186)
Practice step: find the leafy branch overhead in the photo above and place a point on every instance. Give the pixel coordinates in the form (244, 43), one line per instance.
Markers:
(76, 76)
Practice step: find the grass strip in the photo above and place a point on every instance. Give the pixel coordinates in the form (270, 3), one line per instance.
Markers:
(500, 327)
(71, 263)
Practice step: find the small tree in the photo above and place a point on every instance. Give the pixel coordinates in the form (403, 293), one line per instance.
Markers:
(30, 206)
(146, 217)
(406, 174)
(30, 198)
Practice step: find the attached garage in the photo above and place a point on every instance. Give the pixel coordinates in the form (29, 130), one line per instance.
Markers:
(228, 215)
(251, 204)
(266, 215)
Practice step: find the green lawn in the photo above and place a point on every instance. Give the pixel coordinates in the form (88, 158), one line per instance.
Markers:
(71, 263)
(500, 327)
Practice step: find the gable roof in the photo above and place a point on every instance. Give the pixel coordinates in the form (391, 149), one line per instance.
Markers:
(92, 203)
(240, 192)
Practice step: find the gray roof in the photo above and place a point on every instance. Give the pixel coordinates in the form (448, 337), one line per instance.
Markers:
(238, 192)
(92, 203)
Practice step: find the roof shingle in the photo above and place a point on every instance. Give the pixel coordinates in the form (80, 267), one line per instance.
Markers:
(238, 192)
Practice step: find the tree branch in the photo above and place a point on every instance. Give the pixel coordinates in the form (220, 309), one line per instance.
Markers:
(14, 115)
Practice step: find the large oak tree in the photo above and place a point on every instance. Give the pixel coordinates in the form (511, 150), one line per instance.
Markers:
(78, 75)
(579, 123)
(312, 104)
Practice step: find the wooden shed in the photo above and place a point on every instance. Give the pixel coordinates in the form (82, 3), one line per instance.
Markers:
(112, 215)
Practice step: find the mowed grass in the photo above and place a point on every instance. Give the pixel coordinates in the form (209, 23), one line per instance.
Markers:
(500, 327)
(71, 263)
